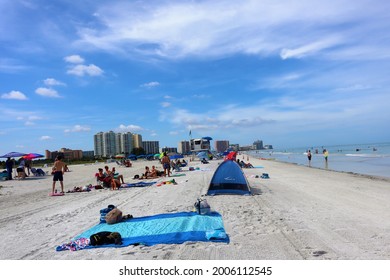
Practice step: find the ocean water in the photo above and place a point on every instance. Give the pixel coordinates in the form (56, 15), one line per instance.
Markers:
(367, 159)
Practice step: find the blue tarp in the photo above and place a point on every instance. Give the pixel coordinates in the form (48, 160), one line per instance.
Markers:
(172, 228)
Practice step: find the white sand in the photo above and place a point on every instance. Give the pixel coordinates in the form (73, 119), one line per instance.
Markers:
(299, 213)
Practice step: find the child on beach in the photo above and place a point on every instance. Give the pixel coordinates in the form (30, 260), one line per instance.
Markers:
(58, 169)
(326, 154)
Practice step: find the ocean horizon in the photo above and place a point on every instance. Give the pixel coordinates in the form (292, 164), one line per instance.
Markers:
(366, 159)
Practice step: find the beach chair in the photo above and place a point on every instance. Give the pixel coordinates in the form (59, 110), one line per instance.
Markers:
(35, 172)
(41, 172)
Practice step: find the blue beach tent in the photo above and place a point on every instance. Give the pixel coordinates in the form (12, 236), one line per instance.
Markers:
(229, 179)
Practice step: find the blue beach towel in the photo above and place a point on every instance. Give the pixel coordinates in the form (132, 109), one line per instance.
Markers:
(173, 228)
(138, 184)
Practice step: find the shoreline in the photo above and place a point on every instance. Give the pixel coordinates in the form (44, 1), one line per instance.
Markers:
(376, 177)
(295, 214)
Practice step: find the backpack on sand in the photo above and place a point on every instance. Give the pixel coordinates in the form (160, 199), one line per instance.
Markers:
(114, 216)
(202, 207)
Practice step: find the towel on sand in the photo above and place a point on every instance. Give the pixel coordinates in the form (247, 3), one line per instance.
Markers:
(172, 228)
(138, 184)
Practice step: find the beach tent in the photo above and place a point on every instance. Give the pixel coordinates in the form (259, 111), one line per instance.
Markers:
(229, 179)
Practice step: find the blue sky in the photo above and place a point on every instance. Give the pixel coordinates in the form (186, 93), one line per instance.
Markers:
(290, 73)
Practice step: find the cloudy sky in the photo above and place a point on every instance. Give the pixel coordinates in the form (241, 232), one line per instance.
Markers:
(290, 73)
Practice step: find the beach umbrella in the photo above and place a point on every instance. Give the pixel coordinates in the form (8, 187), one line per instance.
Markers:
(207, 138)
(13, 154)
(120, 156)
(176, 156)
(32, 156)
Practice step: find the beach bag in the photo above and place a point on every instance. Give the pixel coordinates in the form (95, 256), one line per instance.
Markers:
(265, 176)
(104, 212)
(114, 216)
(202, 207)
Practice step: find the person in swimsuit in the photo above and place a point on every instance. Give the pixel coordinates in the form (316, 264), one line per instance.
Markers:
(309, 156)
(58, 171)
(166, 163)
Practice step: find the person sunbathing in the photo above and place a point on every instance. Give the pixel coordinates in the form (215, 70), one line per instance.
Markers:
(154, 173)
(147, 173)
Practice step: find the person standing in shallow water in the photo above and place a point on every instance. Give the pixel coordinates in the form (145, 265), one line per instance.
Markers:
(309, 156)
(59, 170)
(326, 154)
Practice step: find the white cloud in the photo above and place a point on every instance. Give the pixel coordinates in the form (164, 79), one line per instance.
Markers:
(14, 95)
(46, 138)
(150, 85)
(82, 70)
(29, 123)
(75, 59)
(165, 104)
(173, 133)
(78, 128)
(53, 82)
(308, 49)
(47, 92)
(201, 96)
(129, 128)
(218, 28)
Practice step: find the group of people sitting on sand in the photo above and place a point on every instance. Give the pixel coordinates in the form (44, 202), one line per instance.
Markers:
(110, 178)
(151, 173)
(244, 165)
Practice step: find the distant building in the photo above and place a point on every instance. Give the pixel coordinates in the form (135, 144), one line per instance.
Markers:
(268, 147)
(246, 148)
(169, 150)
(88, 154)
(221, 145)
(137, 140)
(234, 147)
(126, 143)
(151, 147)
(183, 147)
(109, 144)
(258, 145)
(67, 154)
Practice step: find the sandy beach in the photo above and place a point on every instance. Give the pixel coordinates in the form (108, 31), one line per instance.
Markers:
(298, 213)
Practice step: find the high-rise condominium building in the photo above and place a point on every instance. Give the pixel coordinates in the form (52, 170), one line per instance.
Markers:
(183, 147)
(109, 144)
(151, 147)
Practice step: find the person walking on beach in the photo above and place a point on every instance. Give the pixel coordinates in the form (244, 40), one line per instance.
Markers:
(166, 163)
(309, 156)
(9, 165)
(59, 170)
